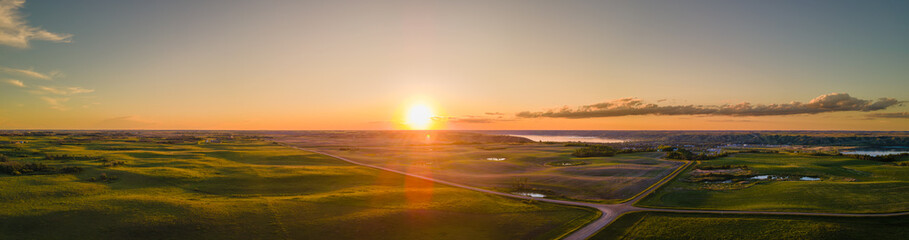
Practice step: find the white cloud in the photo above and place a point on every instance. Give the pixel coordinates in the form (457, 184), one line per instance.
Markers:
(15, 82)
(56, 103)
(65, 90)
(15, 31)
(31, 73)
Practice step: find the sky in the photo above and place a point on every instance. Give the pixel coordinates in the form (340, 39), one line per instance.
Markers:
(598, 65)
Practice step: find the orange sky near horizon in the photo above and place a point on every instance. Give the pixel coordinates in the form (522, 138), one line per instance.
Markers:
(564, 65)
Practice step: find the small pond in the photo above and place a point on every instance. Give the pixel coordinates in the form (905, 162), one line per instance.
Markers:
(874, 152)
(530, 194)
(773, 177)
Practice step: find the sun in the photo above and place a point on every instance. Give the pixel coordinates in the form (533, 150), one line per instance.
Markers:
(419, 117)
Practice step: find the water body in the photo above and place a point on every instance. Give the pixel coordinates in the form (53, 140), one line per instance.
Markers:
(558, 138)
(877, 151)
(530, 194)
(495, 159)
(772, 177)
(765, 177)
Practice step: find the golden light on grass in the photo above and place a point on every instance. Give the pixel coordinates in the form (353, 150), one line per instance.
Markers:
(419, 117)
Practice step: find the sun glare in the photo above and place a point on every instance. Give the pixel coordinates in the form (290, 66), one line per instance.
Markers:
(419, 117)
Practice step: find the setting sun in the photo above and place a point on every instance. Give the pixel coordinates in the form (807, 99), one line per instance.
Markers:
(419, 117)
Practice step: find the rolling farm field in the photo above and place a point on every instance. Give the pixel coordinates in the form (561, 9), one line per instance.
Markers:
(833, 184)
(658, 225)
(547, 169)
(143, 188)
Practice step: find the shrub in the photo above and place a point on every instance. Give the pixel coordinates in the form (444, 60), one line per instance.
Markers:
(685, 154)
(18, 168)
(73, 169)
(594, 151)
(112, 163)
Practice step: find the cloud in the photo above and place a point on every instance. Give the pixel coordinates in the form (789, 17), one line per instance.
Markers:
(15, 31)
(833, 102)
(31, 73)
(889, 115)
(56, 102)
(15, 82)
(471, 119)
(65, 91)
(495, 113)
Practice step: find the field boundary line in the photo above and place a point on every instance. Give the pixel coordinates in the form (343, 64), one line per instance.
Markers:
(659, 183)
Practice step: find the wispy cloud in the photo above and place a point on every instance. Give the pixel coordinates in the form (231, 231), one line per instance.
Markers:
(57, 97)
(56, 102)
(834, 102)
(889, 115)
(15, 82)
(31, 73)
(65, 90)
(471, 119)
(15, 31)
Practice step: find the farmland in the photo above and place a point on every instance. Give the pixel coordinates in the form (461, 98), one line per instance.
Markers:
(247, 188)
(544, 168)
(654, 225)
(843, 184)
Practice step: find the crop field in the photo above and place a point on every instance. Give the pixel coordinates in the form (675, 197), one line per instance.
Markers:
(834, 184)
(656, 225)
(155, 188)
(526, 167)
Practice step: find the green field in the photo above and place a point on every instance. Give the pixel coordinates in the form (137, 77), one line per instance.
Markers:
(247, 189)
(847, 185)
(537, 167)
(655, 225)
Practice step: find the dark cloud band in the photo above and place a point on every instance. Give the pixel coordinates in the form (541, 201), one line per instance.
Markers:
(834, 102)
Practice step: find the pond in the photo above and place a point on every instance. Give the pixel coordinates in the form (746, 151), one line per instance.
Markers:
(530, 194)
(874, 152)
(556, 138)
(772, 177)
(809, 179)
(765, 177)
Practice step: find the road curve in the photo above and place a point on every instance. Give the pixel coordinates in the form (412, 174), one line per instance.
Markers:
(585, 232)
(610, 212)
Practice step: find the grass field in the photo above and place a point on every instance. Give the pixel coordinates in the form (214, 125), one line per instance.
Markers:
(654, 225)
(545, 168)
(248, 189)
(847, 185)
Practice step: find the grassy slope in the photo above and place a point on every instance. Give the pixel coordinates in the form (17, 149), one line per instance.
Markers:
(878, 187)
(602, 179)
(254, 191)
(653, 225)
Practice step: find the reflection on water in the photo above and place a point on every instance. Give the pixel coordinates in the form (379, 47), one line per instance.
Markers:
(530, 194)
(765, 177)
(877, 152)
(773, 177)
(546, 138)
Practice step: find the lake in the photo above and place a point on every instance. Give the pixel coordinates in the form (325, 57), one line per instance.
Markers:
(556, 138)
(877, 151)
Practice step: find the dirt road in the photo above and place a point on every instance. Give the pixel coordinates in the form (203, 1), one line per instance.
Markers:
(610, 212)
